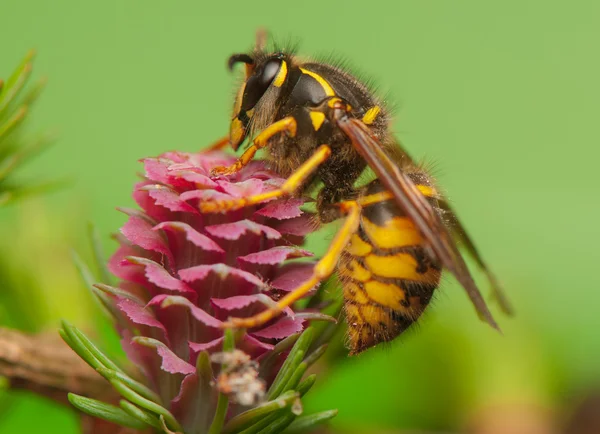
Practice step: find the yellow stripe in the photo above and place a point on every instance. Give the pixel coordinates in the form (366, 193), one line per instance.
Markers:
(326, 87)
(353, 311)
(427, 190)
(354, 293)
(358, 272)
(379, 319)
(386, 294)
(358, 247)
(317, 119)
(399, 266)
(375, 198)
(281, 75)
(371, 114)
(397, 232)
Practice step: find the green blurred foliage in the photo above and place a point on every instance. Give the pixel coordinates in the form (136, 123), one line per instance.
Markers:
(16, 100)
(501, 96)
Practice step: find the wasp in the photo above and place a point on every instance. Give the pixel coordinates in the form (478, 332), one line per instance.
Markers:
(320, 125)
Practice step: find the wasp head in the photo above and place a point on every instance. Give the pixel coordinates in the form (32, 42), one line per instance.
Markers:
(262, 74)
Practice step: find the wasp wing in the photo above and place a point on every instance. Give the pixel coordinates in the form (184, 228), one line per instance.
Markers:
(416, 207)
(462, 236)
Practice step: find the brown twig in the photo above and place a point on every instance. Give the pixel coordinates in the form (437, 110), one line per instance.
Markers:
(45, 365)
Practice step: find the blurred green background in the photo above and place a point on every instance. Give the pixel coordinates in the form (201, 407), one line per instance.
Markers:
(502, 96)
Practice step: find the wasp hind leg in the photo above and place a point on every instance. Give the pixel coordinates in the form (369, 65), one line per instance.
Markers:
(286, 125)
(322, 270)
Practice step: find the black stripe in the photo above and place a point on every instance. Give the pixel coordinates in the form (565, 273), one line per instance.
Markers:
(412, 289)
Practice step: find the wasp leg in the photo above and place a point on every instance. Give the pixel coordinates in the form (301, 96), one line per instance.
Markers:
(219, 144)
(286, 125)
(322, 270)
(291, 185)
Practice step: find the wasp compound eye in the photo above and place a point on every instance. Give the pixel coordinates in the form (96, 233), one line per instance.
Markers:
(259, 82)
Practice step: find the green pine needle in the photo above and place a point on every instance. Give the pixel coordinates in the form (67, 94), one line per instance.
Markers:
(105, 411)
(99, 256)
(252, 416)
(86, 349)
(142, 415)
(307, 423)
(134, 385)
(291, 363)
(137, 399)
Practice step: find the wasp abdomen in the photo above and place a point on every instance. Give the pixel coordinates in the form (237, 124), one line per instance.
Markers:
(388, 278)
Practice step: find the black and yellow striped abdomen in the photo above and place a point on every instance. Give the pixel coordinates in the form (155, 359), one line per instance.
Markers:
(388, 279)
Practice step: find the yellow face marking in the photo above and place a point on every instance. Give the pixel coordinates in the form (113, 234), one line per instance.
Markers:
(326, 86)
(358, 247)
(399, 266)
(281, 75)
(386, 294)
(427, 190)
(317, 119)
(397, 232)
(238, 100)
(370, 115)
(236, 132)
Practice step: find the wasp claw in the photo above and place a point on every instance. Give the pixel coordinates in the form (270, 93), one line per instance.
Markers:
(223, 171)
(233, 323)
(209, 207)
(212, 207)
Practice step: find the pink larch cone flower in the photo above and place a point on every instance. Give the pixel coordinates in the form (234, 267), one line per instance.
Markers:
(182, 273)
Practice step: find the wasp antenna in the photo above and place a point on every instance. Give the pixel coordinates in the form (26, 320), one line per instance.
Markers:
(236, 58)
(261, 39)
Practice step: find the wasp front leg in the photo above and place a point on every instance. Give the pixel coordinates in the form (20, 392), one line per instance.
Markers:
(286, 125)
(289, 187)
(219, 144)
